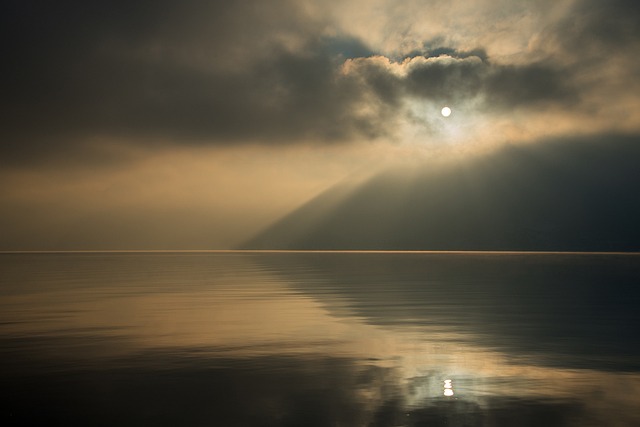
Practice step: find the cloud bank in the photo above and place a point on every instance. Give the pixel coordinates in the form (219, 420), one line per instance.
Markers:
(284, 72)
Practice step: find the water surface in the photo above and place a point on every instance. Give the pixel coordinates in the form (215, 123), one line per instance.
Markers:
(320, 339)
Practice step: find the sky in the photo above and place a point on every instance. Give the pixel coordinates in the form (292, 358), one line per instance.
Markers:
(198, 125)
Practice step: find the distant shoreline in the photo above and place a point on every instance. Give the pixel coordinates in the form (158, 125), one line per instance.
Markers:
(318, 251)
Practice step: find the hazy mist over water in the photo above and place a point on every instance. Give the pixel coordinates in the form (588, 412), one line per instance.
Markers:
(320, 339)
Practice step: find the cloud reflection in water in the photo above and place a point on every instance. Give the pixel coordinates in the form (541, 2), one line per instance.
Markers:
(322, 340)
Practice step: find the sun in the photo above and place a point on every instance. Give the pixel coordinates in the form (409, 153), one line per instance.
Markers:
(446, 111)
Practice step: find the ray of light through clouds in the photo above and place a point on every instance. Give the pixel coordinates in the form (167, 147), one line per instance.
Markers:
(196, 124)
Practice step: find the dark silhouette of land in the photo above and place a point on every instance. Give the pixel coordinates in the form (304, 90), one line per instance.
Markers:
(560, 195)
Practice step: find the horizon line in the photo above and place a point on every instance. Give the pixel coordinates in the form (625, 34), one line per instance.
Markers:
(354, 251)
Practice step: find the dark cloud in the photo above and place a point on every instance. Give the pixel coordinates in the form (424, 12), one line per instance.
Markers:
(244, 71)
(530, 85)
(597, 41)
(460, 77)
(596, 27)
(436, 48)
(194, 71)
(446, 80)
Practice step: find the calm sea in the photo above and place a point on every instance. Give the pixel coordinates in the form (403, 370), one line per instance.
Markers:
(319, 339)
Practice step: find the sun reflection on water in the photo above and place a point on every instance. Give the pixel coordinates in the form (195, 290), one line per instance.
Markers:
(448, 388)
